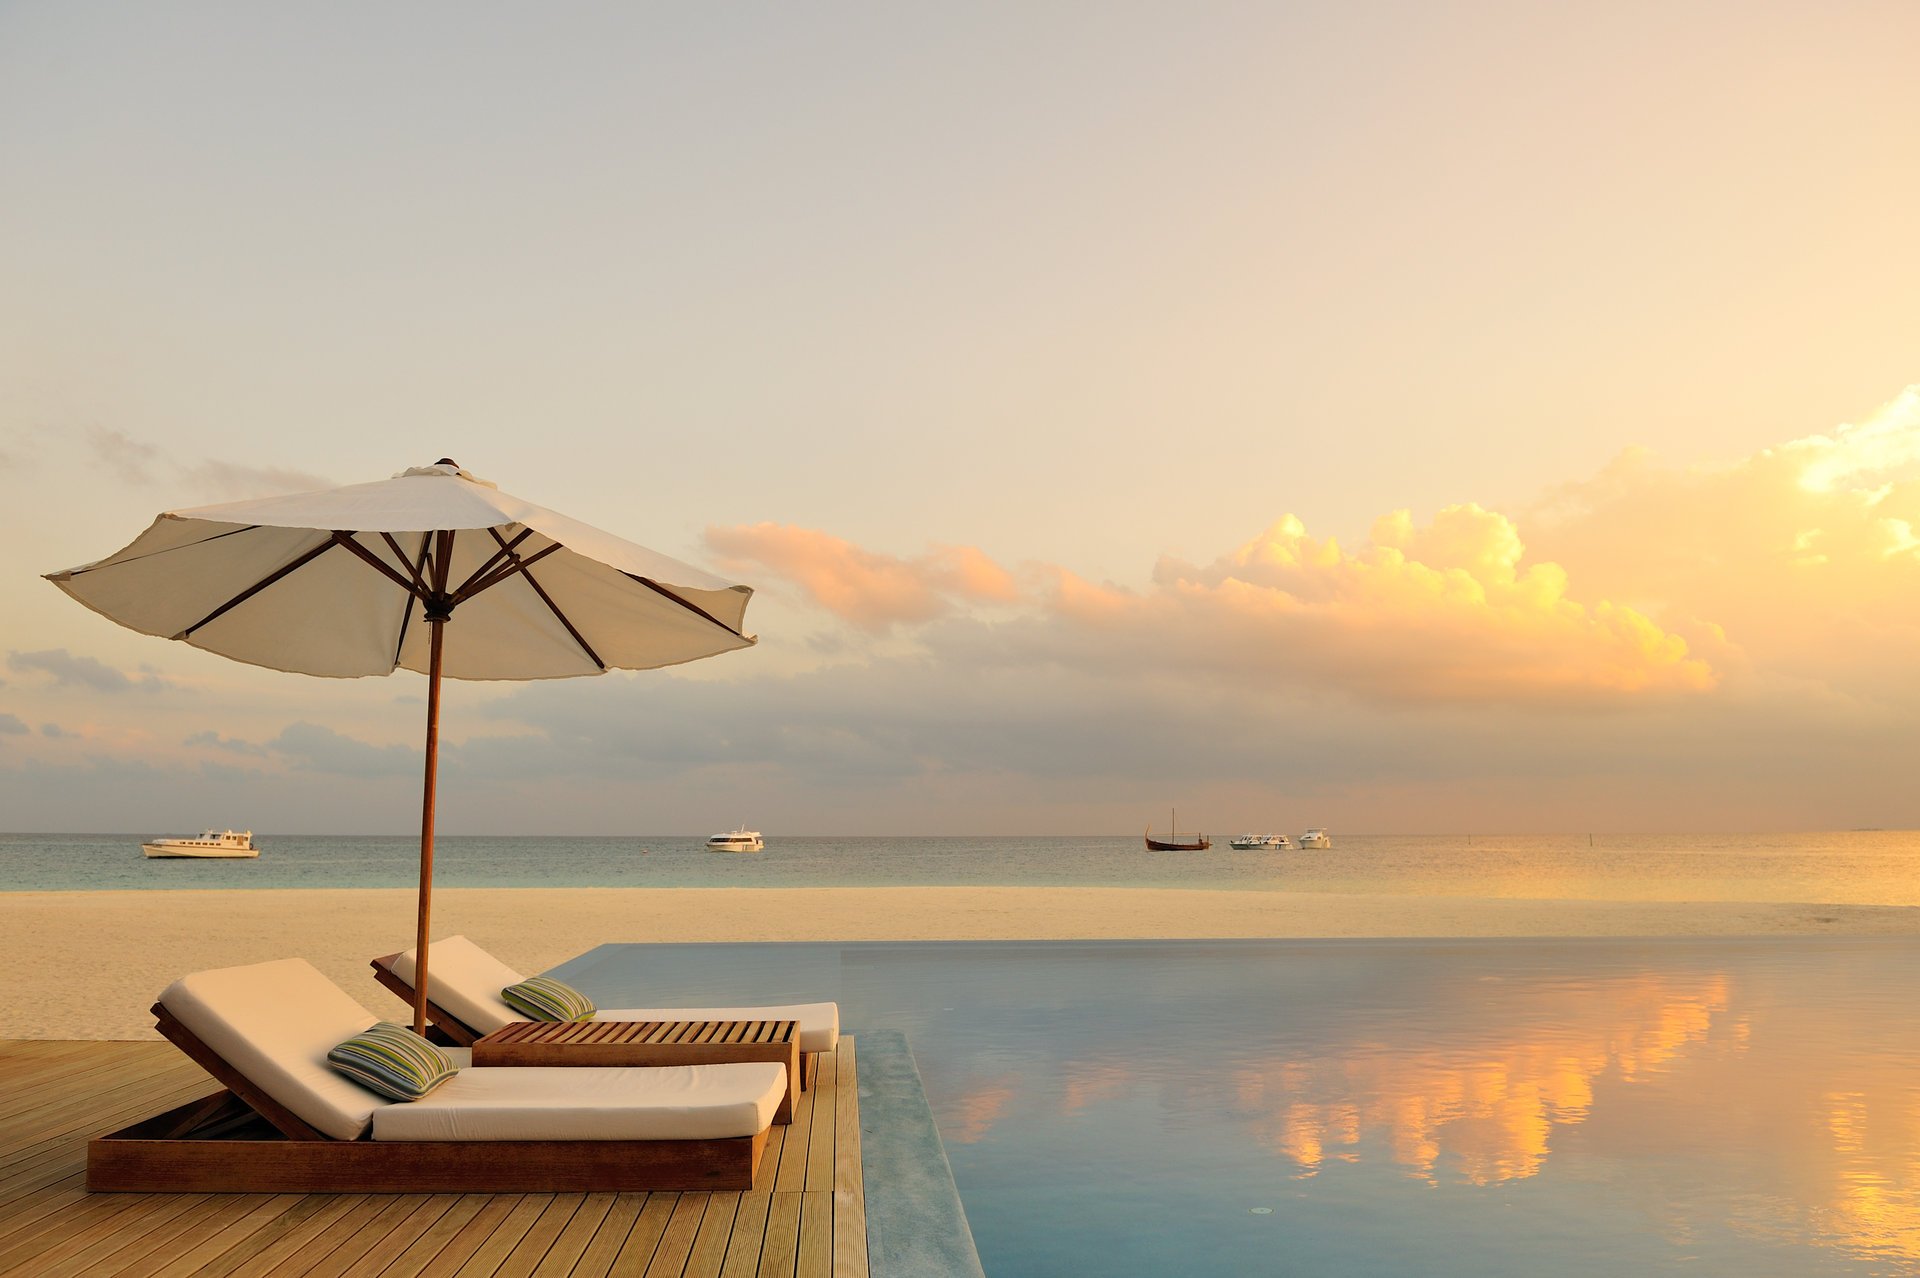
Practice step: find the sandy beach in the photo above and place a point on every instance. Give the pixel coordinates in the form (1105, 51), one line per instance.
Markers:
(93, 961)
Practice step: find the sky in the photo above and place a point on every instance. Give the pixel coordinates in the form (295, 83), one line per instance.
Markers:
(1396, 417)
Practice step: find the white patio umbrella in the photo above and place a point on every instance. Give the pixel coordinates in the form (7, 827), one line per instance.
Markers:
(365, 580)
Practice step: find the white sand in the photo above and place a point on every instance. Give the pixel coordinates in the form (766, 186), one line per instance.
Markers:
(88, 964)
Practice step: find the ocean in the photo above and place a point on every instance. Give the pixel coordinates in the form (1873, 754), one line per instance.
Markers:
(1868, 867)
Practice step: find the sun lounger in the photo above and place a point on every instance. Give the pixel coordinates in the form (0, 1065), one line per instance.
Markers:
(290, 1123)
(463, 998)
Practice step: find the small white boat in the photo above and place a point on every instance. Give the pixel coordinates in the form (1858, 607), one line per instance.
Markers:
(214, 843)
(742, 840)
(1247, 841)
(1316, 838)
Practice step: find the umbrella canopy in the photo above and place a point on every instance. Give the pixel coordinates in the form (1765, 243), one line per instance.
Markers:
(364, 580)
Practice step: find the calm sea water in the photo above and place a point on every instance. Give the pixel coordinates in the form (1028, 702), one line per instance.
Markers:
(1861, 867)
(1486, 1109)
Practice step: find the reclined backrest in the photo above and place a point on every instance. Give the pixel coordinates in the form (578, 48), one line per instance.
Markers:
(275, 1022)
(465, 980)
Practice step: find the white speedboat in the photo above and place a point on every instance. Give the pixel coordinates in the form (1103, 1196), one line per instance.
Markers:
(737, 841)
(214, 843)
(1316, 838)
(1247, 841)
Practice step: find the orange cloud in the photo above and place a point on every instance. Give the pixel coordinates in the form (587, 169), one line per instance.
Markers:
(863, 587)
(1439, 613)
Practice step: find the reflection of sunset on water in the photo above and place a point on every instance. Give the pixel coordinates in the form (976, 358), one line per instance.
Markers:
(1738, 1107)
(1491, 1106)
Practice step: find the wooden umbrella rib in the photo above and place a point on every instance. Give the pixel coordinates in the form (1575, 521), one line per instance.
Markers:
(347, 539)
(507, 548)
(659, 589)
(521, 566)
(418, 581)
(258, 586)
(71, 573)
(419, 567)
(517, 565)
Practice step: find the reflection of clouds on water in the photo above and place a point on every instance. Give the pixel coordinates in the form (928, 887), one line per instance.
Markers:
(1772, 1108)
(1488, 1107)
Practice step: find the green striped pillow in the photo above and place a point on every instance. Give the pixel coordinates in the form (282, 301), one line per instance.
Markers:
(541, 998)
(394, 1061)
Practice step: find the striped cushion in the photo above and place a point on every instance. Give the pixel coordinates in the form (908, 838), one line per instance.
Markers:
(541, 998)
(394, 1061)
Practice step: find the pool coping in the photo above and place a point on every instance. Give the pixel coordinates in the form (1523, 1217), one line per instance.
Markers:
(916, 1223)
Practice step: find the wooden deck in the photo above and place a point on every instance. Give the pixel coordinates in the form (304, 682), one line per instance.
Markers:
(805, 1216)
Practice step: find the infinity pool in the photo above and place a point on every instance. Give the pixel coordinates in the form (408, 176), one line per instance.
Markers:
(1390, 1108)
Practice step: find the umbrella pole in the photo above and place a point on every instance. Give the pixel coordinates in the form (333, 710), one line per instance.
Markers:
(438, 624)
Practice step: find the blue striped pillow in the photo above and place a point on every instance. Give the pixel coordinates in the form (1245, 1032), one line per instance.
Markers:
(394, 1061)
(541, 998)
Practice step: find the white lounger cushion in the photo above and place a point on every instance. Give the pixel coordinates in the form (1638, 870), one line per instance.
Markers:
(466, 981)
(275, 1022)
(683, 1102)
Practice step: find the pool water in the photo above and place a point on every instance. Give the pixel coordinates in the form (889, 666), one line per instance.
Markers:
(1402, 1107)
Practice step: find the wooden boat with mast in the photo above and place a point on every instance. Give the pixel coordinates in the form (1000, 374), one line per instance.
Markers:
(1173, 842)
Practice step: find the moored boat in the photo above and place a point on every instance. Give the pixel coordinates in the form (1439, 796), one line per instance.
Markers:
(1173, 842)
(1316, 838)
(1249, 841)
(216, 844)
(741, 840)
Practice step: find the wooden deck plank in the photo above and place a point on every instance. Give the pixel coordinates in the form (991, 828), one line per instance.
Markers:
(283, 1262)
(137, 1250)
(637, 1254)
(46, 1232)
(492, 1253)
(749, 1232)
(596, 1261)
(534, 1244)
(804, 1216)
(849, 1189)
(820, 1136)
(394, 1242)
(779, 1252)
(186, 1253)
(72, 1253)
(260, 1239)
(710, 1244)
(468, 1239)
(791, 1175)
(676, 1244)
(815, 1258)
(573, 1240)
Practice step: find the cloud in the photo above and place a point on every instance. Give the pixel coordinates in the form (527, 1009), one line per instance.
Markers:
(53, 731)
(232, 745)
(320, 749)
(1441, 613)
(1804, 557)
(10, 726)
(132, 460)
(137, 462)
(1445, 612)
(865, 588)
(68, 670)
(225, 480)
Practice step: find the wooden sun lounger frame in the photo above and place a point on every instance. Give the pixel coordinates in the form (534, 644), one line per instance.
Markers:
(459, 1034)
(242, 1141)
